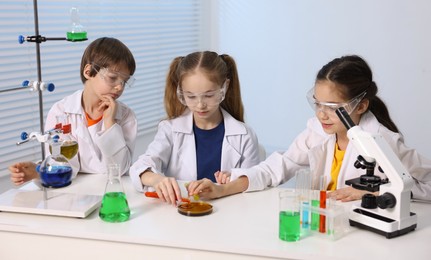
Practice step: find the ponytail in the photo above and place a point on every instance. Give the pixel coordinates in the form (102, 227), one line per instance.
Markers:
(379, 109)
(173, 106)
(232, 102)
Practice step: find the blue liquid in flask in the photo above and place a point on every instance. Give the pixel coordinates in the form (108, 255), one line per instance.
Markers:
(55, 176)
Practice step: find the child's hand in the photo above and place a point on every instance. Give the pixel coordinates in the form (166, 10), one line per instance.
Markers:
(23, 172)
(168, 190)
(108, 106)
(222, 177)
(348, 194)
(206, 189)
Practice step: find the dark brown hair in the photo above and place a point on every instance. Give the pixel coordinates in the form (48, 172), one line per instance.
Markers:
(353, 75)
(107, 52)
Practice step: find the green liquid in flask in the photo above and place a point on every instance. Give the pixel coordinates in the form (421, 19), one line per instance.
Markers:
(76, 36)
(114, 207)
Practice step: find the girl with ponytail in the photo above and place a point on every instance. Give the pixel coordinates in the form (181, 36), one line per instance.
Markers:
(324, 146)
(204, 133)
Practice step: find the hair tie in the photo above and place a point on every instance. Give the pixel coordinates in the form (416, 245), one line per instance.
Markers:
(222, 57)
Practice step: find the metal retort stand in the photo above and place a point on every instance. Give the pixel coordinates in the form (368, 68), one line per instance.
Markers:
(76, 34)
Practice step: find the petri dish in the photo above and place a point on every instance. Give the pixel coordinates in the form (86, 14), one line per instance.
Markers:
(194, 209)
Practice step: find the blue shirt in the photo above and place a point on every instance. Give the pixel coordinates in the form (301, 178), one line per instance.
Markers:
(208, 150)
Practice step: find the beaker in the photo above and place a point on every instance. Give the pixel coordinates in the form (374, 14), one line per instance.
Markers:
(289, 216)
(115, 207)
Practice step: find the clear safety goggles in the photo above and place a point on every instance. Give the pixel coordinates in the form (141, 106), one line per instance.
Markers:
(113, 78)
(209, 98)
(329, 108)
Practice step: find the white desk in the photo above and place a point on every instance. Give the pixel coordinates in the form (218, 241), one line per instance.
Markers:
(243, 226)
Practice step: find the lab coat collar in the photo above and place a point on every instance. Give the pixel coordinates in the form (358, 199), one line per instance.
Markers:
(184, 124)
(73, 105)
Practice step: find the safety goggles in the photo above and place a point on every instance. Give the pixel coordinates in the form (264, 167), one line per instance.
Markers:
(329, 107)
(113, 78)
(209, 98)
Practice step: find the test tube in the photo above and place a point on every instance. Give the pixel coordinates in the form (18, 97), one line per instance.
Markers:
(330, 207)
(322, 224)
(303, 186)
(315, 203)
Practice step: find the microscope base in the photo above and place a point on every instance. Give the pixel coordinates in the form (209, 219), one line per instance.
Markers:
(389, 228)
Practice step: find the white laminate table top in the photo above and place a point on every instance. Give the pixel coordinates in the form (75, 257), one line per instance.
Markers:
(245, 224)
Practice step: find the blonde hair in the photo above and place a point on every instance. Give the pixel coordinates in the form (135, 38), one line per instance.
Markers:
(218, 69)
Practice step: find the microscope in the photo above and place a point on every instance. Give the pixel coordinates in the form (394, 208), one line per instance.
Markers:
(388, 213)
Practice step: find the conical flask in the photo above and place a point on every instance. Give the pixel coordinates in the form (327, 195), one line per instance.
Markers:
(76, 31)
(115, 207)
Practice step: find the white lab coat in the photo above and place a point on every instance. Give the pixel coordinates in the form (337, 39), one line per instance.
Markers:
(173, 150)
(315, 149)
(97, 146)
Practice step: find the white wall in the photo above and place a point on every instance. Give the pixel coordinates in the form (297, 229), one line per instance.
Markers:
(280, 45)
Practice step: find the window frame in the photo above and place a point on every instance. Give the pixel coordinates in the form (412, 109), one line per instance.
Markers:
(155, 31)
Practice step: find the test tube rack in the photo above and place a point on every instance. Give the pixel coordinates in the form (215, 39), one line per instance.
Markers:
(336, 218)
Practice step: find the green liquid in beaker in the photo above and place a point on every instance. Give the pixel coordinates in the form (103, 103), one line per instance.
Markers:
(315, 217)
(289, 227)
(76, 36)
(114, 207)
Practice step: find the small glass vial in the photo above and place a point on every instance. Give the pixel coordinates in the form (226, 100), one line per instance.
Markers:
(115, 207)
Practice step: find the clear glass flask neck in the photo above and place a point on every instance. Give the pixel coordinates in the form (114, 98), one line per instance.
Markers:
(114, 179)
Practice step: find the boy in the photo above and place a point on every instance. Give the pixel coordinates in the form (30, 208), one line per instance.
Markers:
(104, 128)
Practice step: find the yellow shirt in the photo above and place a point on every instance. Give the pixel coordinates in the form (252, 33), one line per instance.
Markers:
(336, 166)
